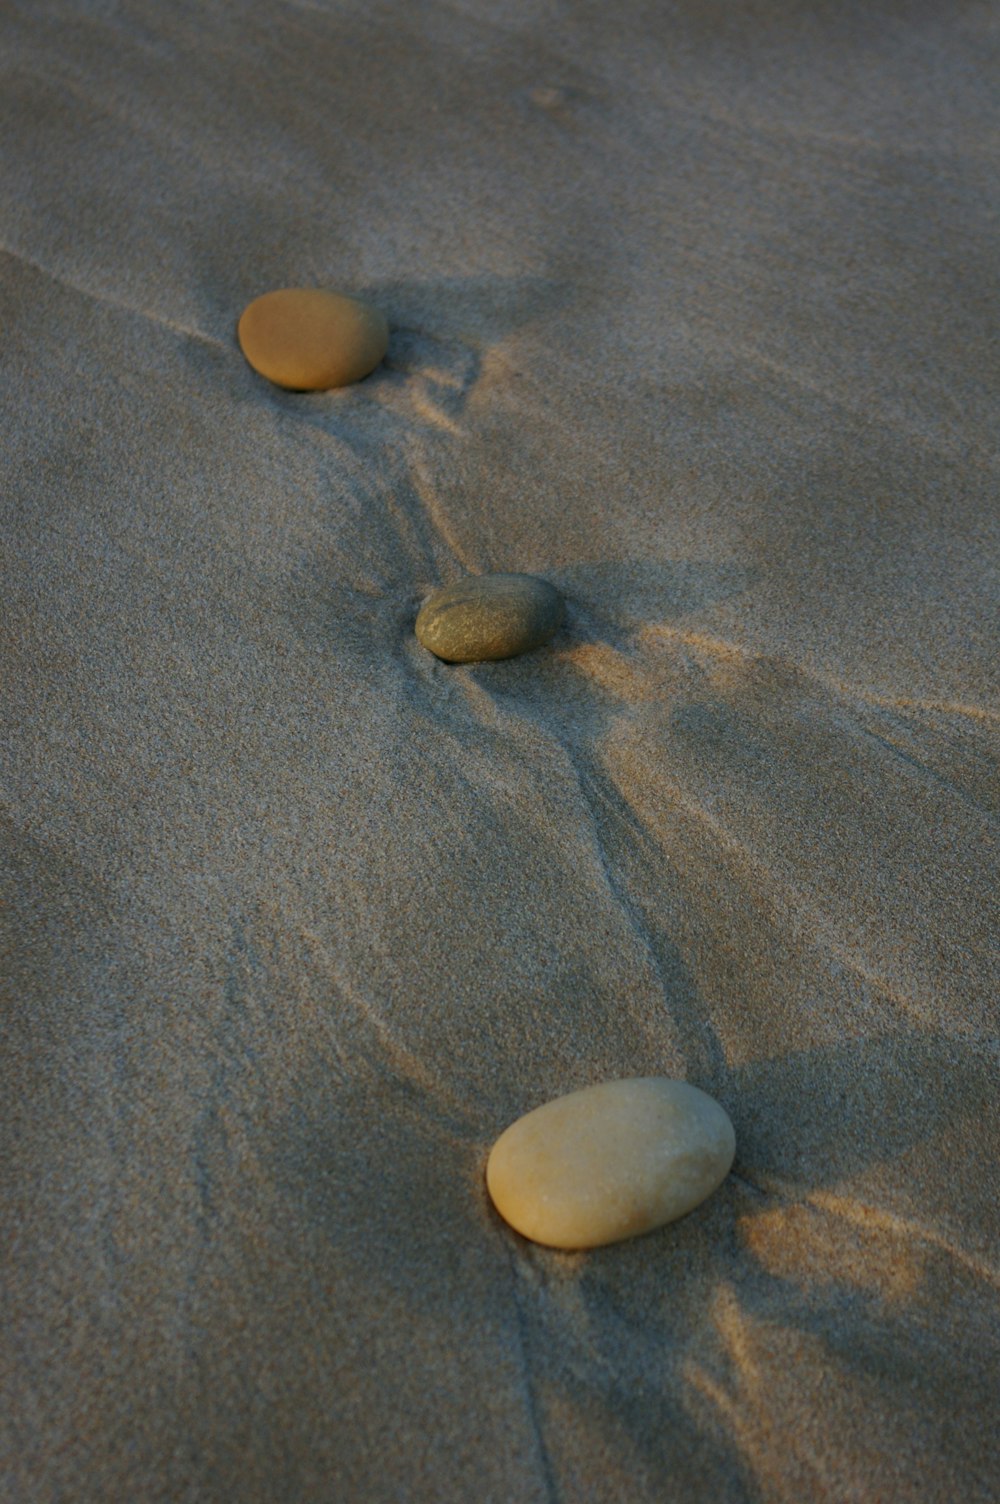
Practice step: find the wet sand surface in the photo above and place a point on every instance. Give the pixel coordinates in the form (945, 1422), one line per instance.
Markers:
(692, 314)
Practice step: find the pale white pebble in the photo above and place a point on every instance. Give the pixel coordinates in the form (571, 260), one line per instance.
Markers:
(610, 1161)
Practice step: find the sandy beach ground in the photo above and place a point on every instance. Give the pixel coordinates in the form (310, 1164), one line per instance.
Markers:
(693, 313)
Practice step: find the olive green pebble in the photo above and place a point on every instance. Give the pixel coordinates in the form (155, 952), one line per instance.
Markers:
(489, 616)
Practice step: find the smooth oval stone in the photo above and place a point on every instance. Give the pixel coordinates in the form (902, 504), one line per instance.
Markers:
(489, 616)
(308, 339)
(610, 1162)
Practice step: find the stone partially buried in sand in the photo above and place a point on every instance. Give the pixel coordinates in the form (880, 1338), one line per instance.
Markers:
(610, 1162)
(308, 339)
(489, 616)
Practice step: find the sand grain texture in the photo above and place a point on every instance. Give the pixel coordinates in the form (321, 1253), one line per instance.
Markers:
(692, 315)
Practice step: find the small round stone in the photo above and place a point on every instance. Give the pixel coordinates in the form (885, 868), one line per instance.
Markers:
(308, 339)
(610, 1162)
(487, 616)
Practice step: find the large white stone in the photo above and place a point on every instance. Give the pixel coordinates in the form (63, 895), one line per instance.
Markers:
(610, 1161)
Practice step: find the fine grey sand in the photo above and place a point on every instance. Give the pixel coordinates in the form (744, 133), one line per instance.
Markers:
(693, 314)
